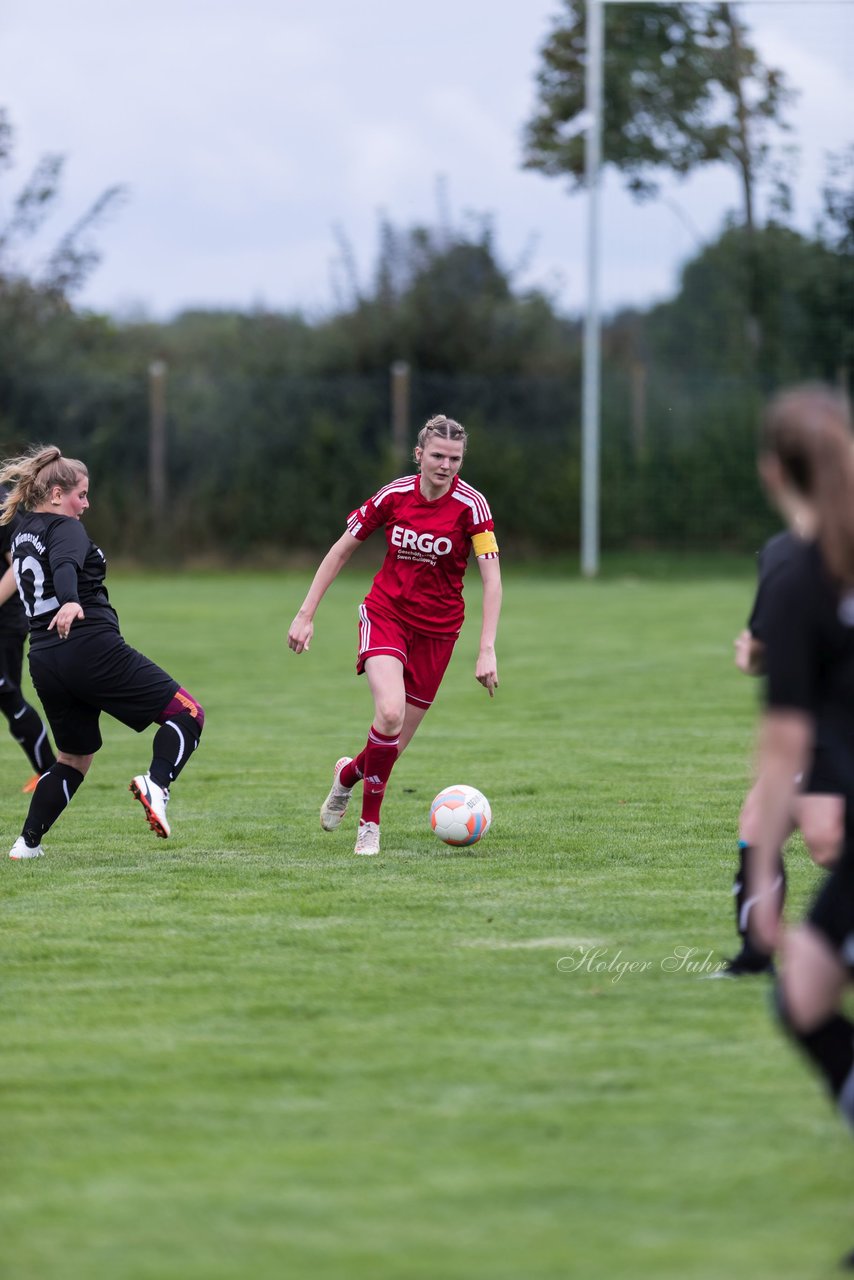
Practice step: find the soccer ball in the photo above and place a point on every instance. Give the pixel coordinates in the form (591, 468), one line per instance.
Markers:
(460, 815)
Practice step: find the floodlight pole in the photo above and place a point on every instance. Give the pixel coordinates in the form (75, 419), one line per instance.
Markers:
(590, 393)
(591, 377)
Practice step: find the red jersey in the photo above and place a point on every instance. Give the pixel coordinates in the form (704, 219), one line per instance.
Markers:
(421, 578)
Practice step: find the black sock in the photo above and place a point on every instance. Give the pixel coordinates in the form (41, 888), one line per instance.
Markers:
(739, 888)
(830, 1047)
(53, 793)
(31, 732)
(28, 730)
(750, 953)
(174, 743)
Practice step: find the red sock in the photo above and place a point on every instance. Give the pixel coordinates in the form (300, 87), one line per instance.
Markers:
(380, 755)
(354, 771)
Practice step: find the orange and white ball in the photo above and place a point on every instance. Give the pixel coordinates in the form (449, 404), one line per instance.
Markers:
(460, 815)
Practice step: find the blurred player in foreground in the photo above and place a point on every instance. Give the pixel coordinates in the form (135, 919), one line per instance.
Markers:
(807, 466)
(25, 724)
(817, 811)
(411, 618)
(79, 663)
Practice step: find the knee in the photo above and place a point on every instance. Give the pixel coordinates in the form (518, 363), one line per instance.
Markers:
(80, 763)
(823, 840)
(792, 1016)
(193, 708)
(388, 716)
(796, 1016)
(811, 980)
(184, 708)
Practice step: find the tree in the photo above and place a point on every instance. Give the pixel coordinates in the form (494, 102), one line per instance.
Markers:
(74, 257)
(57, 368)
(683, 87)
(442, 299)
(837, 222)
(832, 298)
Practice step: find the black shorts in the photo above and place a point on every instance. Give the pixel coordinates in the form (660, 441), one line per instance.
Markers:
(11, 662)
(822, 778)
(832, 912)
(95, 671)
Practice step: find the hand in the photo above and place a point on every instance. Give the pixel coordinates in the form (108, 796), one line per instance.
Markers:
(486, 670)
(63, 618)
(748, 653)
(300, 633)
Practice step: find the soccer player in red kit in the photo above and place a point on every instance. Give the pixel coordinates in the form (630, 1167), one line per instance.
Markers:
(411, 617)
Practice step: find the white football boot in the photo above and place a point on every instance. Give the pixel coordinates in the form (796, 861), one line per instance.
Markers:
(335, 805)
(154, 800)
(368, 839)
(21, 850)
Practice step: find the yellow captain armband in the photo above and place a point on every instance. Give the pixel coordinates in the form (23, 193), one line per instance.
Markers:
(484, 544)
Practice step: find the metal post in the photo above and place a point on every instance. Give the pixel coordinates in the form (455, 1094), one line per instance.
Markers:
(157, 437)
(592, 324)
(590, 410)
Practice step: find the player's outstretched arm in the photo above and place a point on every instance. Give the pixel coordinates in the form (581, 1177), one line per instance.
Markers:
(65, 585)
(302, 628)
(486, 668)
(8, 585)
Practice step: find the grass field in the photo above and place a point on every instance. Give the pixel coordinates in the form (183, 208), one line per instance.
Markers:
(245, 1052)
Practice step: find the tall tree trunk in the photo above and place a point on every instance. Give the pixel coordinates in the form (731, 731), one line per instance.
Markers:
(744, 160)
(743, 152)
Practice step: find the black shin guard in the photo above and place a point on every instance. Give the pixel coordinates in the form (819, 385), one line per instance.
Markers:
(53, 793)
(739, 889)
(174, 743)
(31, 732)
(830, 1048)
(28, 730)
(743, 904)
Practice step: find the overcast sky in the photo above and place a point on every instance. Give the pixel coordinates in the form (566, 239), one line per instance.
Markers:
(247, 131)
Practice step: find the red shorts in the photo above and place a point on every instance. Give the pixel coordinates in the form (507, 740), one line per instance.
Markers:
(425, 658)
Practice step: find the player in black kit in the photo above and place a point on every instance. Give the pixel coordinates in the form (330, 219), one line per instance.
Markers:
(79, 663)
(817, 811)
(807, 466)
(25, 724)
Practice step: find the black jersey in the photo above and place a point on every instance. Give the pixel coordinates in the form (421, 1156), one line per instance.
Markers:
(772, 557)
(42, 543)
(13, 620)
(808, 634)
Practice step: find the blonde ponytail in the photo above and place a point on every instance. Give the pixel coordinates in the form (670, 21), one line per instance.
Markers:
(32, 476)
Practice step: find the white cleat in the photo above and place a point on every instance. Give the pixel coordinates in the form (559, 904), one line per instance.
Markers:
(335, 805)
(154, 800)
(21, 850)
(368, 839)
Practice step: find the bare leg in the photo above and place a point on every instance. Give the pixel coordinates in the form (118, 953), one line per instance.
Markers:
(813, 977)
(80, 763)
(809, 1001)
(821, 819)
(385, 678)
(411, 720)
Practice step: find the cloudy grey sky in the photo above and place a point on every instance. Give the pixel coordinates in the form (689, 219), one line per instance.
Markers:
(247, 132)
